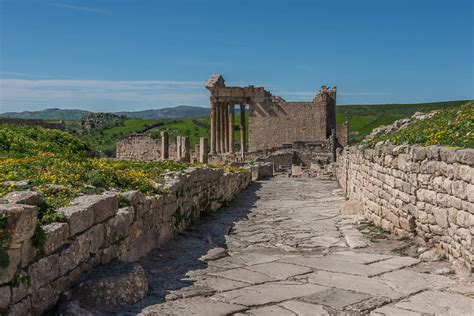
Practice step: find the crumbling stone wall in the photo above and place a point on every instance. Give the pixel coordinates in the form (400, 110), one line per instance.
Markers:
(97, 231)
(142, 148)
(422, 192)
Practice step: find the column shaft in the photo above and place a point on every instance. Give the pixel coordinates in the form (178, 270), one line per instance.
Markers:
(164, 145)
(213, 127)
(231, 128)
(226, 128)
(203, 156)
(221, 129)
(243, 132)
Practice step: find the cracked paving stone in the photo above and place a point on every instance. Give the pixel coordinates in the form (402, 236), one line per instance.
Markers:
(438, 303)
(193, 306)
(278, 270)
(243, 275)
(219, 284)
(273, 292)
(358, 257)
(304, 309)
(335, 298)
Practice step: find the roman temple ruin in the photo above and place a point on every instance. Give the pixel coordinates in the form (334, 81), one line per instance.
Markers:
(279, 131)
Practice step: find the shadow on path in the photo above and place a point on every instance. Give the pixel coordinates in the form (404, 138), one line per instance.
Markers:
(166, 267)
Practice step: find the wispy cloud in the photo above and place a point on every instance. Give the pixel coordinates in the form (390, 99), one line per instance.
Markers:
(77, 8)
(31, 93)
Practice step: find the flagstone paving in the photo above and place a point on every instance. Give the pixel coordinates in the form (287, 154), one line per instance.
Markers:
(283, 249)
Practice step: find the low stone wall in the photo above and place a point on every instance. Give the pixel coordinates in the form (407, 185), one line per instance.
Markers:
(423, 192)
(97, 231)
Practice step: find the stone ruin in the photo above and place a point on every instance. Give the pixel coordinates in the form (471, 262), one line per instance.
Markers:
(282, 132)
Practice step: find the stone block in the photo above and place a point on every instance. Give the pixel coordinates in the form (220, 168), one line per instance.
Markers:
(101, 206)
(57, 235)
(119, 226)
(44, 271)
(465, 156)
(21, 221)
(6, 274)
(78, 217)
(27, 197)
(110, 287)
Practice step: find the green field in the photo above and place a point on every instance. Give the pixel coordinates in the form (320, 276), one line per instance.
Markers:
(362, 119)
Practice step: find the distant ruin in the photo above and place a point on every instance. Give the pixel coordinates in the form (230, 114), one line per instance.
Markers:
(304, 131)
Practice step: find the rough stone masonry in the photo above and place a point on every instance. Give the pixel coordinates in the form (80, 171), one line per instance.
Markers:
(97, 232)
(421, 192)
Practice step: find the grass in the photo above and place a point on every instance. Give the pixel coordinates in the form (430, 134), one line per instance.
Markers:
(364, 118)
(452, 127)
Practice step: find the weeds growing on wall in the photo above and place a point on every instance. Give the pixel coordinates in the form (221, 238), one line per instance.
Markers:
(450, 127)
(55, 164)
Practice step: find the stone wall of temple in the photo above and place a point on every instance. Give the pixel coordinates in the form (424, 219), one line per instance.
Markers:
(96, 231)
(274, 124)
(142, 148)
(423, 192)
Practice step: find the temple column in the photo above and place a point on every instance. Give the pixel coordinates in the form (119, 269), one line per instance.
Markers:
(203, 157)
(178, 148)
(164, 145)
(218, 128)
(213, 127)
(243, 132)
(221, 128)
(231, 128)
(226, 128)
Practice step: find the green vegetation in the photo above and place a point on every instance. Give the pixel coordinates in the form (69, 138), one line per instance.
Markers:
(56, 166)
(451, 127)
(103, 142)
(364, 118)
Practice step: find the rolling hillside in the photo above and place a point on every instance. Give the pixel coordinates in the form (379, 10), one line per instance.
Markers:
(68, 115)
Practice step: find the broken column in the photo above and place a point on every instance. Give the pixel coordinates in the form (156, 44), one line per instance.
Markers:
(213, 126)
(185, 149)
(222, 128)
(226, 128)
(164, 145)
(203, 150)
(218, 128)
(332, 139)
(231, 128)
(242, 130)
(178, 147)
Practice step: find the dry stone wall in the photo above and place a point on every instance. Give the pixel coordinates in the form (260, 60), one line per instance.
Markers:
(97, 231)
(142, 148)
(423, 192)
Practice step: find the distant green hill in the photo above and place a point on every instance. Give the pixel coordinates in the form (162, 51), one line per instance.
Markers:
(71, 115)
(362, 119)
(48, 114)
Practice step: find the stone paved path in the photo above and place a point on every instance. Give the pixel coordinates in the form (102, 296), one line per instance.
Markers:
(282, 249)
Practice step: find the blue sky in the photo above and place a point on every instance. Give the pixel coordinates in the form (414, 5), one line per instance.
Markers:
(110, 55)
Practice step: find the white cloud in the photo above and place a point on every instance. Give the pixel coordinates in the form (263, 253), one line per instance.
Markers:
(76, 7)
(28, 93)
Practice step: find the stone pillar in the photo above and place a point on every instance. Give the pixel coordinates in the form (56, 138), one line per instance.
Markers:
(332, 139)
(243, 132)
(221, 128)
(226, 128)
(213, 126)
(231, 128)
(218, 128)
(165, 145)
(178, 148)
(203, 156)
(185, 149)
